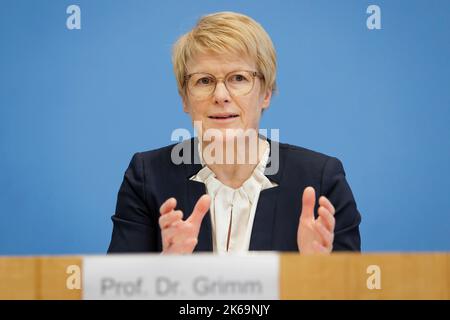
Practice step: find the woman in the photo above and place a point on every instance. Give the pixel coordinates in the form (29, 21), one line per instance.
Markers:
(225, 69)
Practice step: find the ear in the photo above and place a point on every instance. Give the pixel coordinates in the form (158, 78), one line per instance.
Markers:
(266, 99)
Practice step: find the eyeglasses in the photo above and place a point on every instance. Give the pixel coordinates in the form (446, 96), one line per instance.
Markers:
(201, 85)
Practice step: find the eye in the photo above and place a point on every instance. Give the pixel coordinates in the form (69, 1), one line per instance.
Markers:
(204, 81)
(238, 77)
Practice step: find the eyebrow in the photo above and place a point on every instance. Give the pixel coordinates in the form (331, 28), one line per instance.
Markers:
(238, 68)
(234, 70)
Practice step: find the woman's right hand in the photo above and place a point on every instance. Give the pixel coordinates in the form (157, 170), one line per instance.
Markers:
(178, 235)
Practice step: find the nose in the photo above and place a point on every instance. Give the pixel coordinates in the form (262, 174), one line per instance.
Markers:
(221, 94)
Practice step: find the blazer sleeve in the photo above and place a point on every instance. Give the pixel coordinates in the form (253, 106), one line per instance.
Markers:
(337, 190)
(135, 228)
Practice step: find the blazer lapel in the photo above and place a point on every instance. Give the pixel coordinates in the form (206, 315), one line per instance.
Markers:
(265, 215)
(262, 230)
(193, 190)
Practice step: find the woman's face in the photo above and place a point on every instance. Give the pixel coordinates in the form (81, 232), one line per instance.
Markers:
(222, 110)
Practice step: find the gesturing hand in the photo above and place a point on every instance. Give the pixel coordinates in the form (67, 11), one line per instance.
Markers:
(315, 235)
(178, 235)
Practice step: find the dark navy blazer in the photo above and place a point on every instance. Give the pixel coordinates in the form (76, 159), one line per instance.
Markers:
(152, 177)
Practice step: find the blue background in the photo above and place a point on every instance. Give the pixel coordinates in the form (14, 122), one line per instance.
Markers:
(75, 105)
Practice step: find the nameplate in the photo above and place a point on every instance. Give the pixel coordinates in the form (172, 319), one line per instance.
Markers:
(199, 276)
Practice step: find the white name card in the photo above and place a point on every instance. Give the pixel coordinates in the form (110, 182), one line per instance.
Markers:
(200, 276)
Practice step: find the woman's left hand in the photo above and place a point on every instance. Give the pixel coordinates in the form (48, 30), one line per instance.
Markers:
(315, 235)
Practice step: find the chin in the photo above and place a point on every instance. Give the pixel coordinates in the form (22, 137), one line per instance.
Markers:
(229, 133)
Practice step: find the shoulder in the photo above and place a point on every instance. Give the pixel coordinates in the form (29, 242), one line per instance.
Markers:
(303, 155)
(155, 156)
(164, 159)
(308, 162)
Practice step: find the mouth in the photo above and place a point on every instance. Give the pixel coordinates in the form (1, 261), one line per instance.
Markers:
(223, 116)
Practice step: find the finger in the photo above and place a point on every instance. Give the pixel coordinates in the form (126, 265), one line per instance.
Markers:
(182, 232)
(325, 235)
(308, 202)
(200, 209)
(168, 206)
(318, 248)
(184, 247)
(168, 233)
(323, 201)
(167, 219)
(326, 218)
(165, 239)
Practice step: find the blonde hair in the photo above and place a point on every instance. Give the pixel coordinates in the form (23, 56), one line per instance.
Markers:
(226, 32)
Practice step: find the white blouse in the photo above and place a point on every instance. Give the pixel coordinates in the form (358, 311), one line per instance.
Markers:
(233, 210)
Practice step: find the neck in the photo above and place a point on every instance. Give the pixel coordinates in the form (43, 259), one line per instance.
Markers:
(234, 173)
